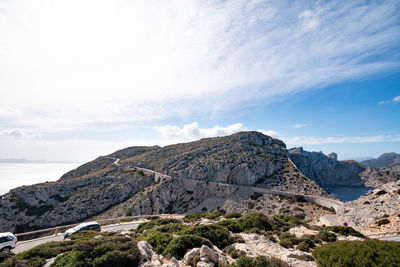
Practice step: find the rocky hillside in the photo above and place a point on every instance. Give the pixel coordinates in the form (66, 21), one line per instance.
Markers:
(328, 171)
(194, 172)
(386, 161)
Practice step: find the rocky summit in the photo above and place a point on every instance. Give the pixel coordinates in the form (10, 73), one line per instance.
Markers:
(239, 171)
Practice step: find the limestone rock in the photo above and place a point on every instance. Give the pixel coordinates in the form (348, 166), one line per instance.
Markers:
(207, 254)
(146, 250)
(190, 254)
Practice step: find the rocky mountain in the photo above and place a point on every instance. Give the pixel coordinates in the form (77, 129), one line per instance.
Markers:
(326, 170)
(126, 179)
(386, 161)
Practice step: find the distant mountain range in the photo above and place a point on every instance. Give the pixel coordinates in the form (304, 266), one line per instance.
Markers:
(387, 161)
(33, 161)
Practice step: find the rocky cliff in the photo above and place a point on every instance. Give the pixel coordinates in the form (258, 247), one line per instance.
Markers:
(328, 171)
(247, 159)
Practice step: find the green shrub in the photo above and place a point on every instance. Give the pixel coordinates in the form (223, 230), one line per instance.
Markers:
(149, 225)
(260, 261)
(326, 236)
(218, 235)
(71, 258)
(358, 253)
(288, 240)
(193, 217)
(255, 220)
(367, 202)
(214, 215)
(117, 258)
(256, 196)
(301, 257)
(380, 192)
(158, 240)
(171, 228)
(234, 253)
(180, 245)
(288, 222)
(232, 225)
(382, 222)
(344, 230)
(303, 246)
(234, 215)
(46, 251)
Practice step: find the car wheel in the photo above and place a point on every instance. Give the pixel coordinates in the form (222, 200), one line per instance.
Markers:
(6, 250)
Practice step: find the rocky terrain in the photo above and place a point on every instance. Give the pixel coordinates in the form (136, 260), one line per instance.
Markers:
(376, 212)
(327, 171)
(386, 161)
(207, 175)
(247, 158)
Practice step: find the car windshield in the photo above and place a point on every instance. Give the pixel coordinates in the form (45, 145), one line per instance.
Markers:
(78, 227)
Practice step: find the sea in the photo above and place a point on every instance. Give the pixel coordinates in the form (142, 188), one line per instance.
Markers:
(13, 175)
(348, 193)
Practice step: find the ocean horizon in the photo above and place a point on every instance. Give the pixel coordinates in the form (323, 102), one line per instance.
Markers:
(14, 175)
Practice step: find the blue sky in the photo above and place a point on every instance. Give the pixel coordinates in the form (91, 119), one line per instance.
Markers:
(81, 79)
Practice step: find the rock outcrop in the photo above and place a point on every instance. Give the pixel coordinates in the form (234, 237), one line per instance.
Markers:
(328, 171)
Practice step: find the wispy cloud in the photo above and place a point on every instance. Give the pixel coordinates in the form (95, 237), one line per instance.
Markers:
(18, 133)
(301, 125)
(192, 131)
(393, 100)
(147, 60)
(311, 140)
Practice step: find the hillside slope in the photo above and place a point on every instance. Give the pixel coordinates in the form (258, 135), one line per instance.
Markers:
(386, 161)
(247, 158)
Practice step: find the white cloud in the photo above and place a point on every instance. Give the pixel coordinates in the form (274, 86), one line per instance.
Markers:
(67, 64)
(301, 125)
(310, 140)
(393, 100)
(18, 133)
(271, 133)
(192, 131)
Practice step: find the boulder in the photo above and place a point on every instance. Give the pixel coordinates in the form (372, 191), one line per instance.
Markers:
(207, 254)
(190, 254)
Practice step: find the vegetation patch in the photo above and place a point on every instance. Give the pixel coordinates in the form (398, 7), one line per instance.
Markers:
(382, 222)
(259, 261)
(358, 253)
(180, 245)
(232, 225)
(327, 236)
(193, 217)
(234, 215)
(255, 220)
(149, 225)
(218, 235)
(344, 230)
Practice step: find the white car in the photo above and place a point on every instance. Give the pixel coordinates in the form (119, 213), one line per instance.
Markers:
(94, 226)
(8, 241)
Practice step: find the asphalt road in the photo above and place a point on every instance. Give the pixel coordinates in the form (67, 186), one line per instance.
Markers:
(25, 245)
(391, 238)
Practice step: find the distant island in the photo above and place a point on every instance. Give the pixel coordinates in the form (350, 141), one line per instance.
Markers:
(33, 161)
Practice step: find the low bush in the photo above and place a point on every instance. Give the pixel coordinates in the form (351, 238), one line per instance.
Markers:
(358, 253)
(180, 245)
(214, 215)
(117, 258)
(218, 235)
(158, 240)
(286, 222)
(148, 225)
(234, 253)
(255, 220)
(326, 236)
(234, 215)
(260, 261)
(288, 240)
(171, 228)
(256, 196)
(46, 251)
(232, 225)
(344, 230)
(381, 192)
(301, 257)
(382, 222)
(303, 246)
(193, 217)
